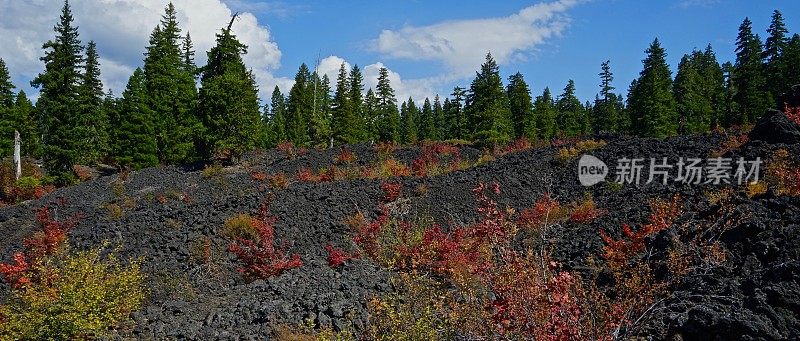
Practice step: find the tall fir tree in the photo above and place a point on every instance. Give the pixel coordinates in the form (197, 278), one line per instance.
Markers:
(187, 54)
(276, 126)
(438, 118)
(344, 122)
(695, 108)
(749, 80)
(356, 87)
(25, 114)
(607, 112)
(172, 93)
(229, 105)
(487, 107)
(521, 106)
(135, 144)
(545, 112)
(791, 57)
(774, 48)
(651, 104)
(714, 85)
(319, 124)
(409, 113)
(299, 105)
(370, 112)
(388, 116)
(8, 111)
(58, 103)
(427, 128)
(455, 116)
(570, 112)
(94, 127)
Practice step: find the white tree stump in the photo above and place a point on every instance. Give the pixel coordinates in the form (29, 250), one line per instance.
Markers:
(17, 156)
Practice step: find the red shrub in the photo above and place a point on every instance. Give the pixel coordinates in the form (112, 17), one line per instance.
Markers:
(431, 159)
(162, 199)
(518, 145)
(337, 257)
(262, 259)
(345, 156)
(793, 113)
(279, 181)
(258, 176)
(540, 213)
(18, 274)
(288, 149)
(306, 175)
(391, 191)
(367, 233)
(82, 172)
(586, 212)
(385, 150)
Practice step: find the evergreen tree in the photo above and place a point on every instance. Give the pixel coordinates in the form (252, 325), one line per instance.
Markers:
(773, 55)
(229, 105)
(521, 106)
(570, 112)
(409, 113)
(25, 114)
(299, 105)
(276, 126)
(319, 125)
(651, 105)
(94, 126)
(607, 112)
(7, 112)
(427, 129)
(356, 96)
(58, 104)
(748, 77)
(714, 85)
(456, 117)
(187, 53)
(438, 118)
(695, 108)
(345, 123)
(791, 56)
(171, 93)
(388, 116)
(370, 112)
(135, 142)
(544, 113)
(487, 106)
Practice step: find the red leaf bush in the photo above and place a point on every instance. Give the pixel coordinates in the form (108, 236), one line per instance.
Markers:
(391, 191)
(793, 113)
(337, 257)
(262, 259)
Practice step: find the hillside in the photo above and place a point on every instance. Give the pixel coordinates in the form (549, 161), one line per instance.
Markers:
(171, 218)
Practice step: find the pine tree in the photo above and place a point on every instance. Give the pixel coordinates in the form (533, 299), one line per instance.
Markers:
(714, 85)
(276, 126)
(7, 112)
(570, 112)
(370, 112)
(544, 113)
(651, 105)
(773, 55)
(487, 106)
(521, 106)
(356, 96)
(695, 108)
(25, 114)
(748, 77)
(94, 126)
(606, 112)
(388, 116)
(187, 53)
(135, 144)
(409, 113)
(456, 117)
(299, 105)
(229, 105)
(427, 128)
(58, 104)
(791, 56)
(319, 124)
(345, 122)
(438, 118)
(171, 93)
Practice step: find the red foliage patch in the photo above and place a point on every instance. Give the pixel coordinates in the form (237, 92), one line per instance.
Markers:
(539, 213)
(345, 156)
(793, 113)
(258, 176)
(391, 191)
(17, 274)
(337, 257)
(441, 155)
(518, 145)
(263, 259)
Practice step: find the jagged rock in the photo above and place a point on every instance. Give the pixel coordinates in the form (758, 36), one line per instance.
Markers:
(775, 127)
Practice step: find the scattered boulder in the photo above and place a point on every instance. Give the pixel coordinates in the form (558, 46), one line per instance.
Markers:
(776, 127)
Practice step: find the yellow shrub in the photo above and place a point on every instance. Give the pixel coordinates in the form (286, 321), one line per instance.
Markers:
(85, 295)
(567, 153)
(240, 226)
(213, 171)
(755, 189)
(114, 211)
(418, 313)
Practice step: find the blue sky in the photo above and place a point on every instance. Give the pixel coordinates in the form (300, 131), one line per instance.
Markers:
(429, 46)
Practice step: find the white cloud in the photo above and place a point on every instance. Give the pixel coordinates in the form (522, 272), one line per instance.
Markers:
(122, 28)
(330, 66)
(461, 45)
(697, 3)
(418, 89)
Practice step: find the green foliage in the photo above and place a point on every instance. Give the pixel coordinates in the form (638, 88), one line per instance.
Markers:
(356, 88)
(92, 129)
(276, 120)
(409, 113)
(59, 102)
(171, 92)
(487, 107)
(455, 117)
(134, 138)
(774, 51)
(695, 109)
(521, 106)
(319, 126)
(388, 116)
(570, 112)
(345, 122)
(544, 113)
(87, 294)
(299, 107)
(228, 105)
(748, 78)
(651, 104)
(608, 108)
(427, 129)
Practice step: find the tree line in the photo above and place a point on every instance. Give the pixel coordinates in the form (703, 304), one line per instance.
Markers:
(164, 117)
